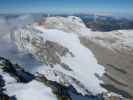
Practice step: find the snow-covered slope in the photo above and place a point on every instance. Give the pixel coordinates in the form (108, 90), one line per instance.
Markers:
(68, 24)
(56, 43)
(113, 40)
(34, 90)
(120, 40)
(65, 59)
(114, 48)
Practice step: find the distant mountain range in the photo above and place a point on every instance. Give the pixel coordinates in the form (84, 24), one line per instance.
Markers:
(96, 22)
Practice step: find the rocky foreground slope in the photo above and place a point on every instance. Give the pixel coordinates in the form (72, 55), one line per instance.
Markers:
(17, 84)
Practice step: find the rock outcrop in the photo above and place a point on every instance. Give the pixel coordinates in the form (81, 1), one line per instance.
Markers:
(67, 24)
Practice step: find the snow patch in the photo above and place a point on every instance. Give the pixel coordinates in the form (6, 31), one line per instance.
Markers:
(33, 90)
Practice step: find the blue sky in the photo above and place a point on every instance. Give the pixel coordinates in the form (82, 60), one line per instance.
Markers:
(66, 6)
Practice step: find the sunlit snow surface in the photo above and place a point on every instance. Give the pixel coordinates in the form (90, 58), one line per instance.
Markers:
(113, 40)
(33, 90)
(83, 64)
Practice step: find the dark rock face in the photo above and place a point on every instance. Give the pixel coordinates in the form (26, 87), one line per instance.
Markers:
(4, 96)
(2, 83)
(50, 52)
(16, 71)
